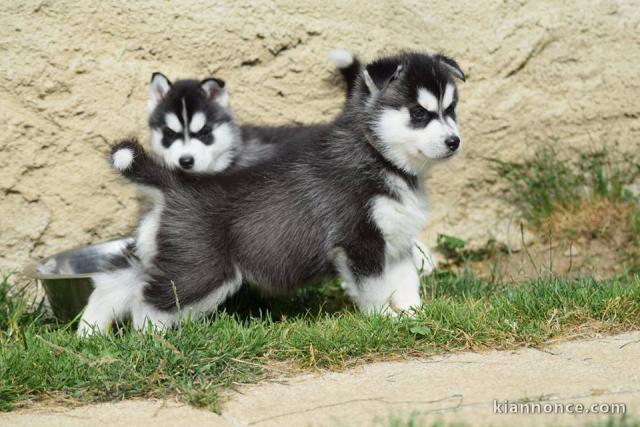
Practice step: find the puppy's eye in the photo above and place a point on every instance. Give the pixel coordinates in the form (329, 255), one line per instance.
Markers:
(205, 135)
(419, 113)
(450, 110)
(169, 133)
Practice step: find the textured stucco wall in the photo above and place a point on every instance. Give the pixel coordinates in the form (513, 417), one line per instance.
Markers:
(73, 76)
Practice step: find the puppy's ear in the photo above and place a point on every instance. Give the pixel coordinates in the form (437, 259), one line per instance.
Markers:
(452, 66)
(216, 91)
(158, 88)
(378, 76)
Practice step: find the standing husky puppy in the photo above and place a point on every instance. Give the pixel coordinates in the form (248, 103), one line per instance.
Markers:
(349, 201)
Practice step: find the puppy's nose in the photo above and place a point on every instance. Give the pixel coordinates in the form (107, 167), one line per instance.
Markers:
(453, 142)
(186, 162)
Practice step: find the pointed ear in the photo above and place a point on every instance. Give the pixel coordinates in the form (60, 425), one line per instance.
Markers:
(216, 91)
(158, 88)
(378, 76)
(452, 66)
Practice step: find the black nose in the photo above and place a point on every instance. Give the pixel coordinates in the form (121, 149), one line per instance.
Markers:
(186, 162)
(453, 142)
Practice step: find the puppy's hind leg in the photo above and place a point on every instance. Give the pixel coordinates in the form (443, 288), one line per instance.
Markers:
(146, 317)
(394, 290)
(159, 306)
(110, 300)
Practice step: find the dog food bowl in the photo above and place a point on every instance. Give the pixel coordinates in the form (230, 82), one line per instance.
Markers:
(66, 276)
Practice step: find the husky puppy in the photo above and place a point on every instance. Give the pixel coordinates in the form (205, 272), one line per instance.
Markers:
(192, 126)
(192, 129)
(348, 200)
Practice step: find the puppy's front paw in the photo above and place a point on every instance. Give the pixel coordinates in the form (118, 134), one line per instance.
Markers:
(123, 153)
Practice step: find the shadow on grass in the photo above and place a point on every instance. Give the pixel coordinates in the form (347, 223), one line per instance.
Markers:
(313, 300)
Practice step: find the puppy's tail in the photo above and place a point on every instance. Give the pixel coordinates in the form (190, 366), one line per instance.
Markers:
(348, 64)
(129, 158)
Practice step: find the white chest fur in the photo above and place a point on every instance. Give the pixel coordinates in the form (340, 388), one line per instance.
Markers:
(146, 246)
(400, 220)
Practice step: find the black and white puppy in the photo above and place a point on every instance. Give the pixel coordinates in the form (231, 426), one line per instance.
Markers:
(192, 129)
(197, 133)
(346, 199)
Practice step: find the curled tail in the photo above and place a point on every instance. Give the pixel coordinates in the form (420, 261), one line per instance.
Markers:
(349, 66)
(129, 158)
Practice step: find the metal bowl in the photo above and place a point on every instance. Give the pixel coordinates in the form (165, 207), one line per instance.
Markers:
(66, 276)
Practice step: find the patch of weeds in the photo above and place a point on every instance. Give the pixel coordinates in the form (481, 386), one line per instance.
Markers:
(548, 182)
(16, 310)
(17, 313)
(456, 251)
(539, 184)
(585, 197)
(200, 358)
(450, 246)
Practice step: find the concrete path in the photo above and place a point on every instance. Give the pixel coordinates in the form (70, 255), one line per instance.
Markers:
(455, 387)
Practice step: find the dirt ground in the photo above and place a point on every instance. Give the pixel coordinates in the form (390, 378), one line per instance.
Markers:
(588, 258)
(451, 388)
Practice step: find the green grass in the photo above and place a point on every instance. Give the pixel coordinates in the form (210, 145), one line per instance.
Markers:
(416, 421)
(549, 181)
(616, 421)
(42, 360)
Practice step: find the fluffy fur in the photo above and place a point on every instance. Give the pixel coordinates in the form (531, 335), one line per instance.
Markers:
(344, 199)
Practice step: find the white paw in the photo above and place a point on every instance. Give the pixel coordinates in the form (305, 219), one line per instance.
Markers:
(341, 58)
(85, 329)
(122, 159)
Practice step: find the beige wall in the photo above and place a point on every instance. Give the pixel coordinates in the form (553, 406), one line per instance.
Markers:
(73, 77)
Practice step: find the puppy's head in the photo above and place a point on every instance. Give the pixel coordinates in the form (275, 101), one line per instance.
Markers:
(191, 125)
(410, 106)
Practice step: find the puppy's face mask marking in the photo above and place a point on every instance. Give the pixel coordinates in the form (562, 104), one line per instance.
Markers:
(191, 126)
(415, 112)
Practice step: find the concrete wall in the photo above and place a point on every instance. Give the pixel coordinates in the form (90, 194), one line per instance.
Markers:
(73, 77)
